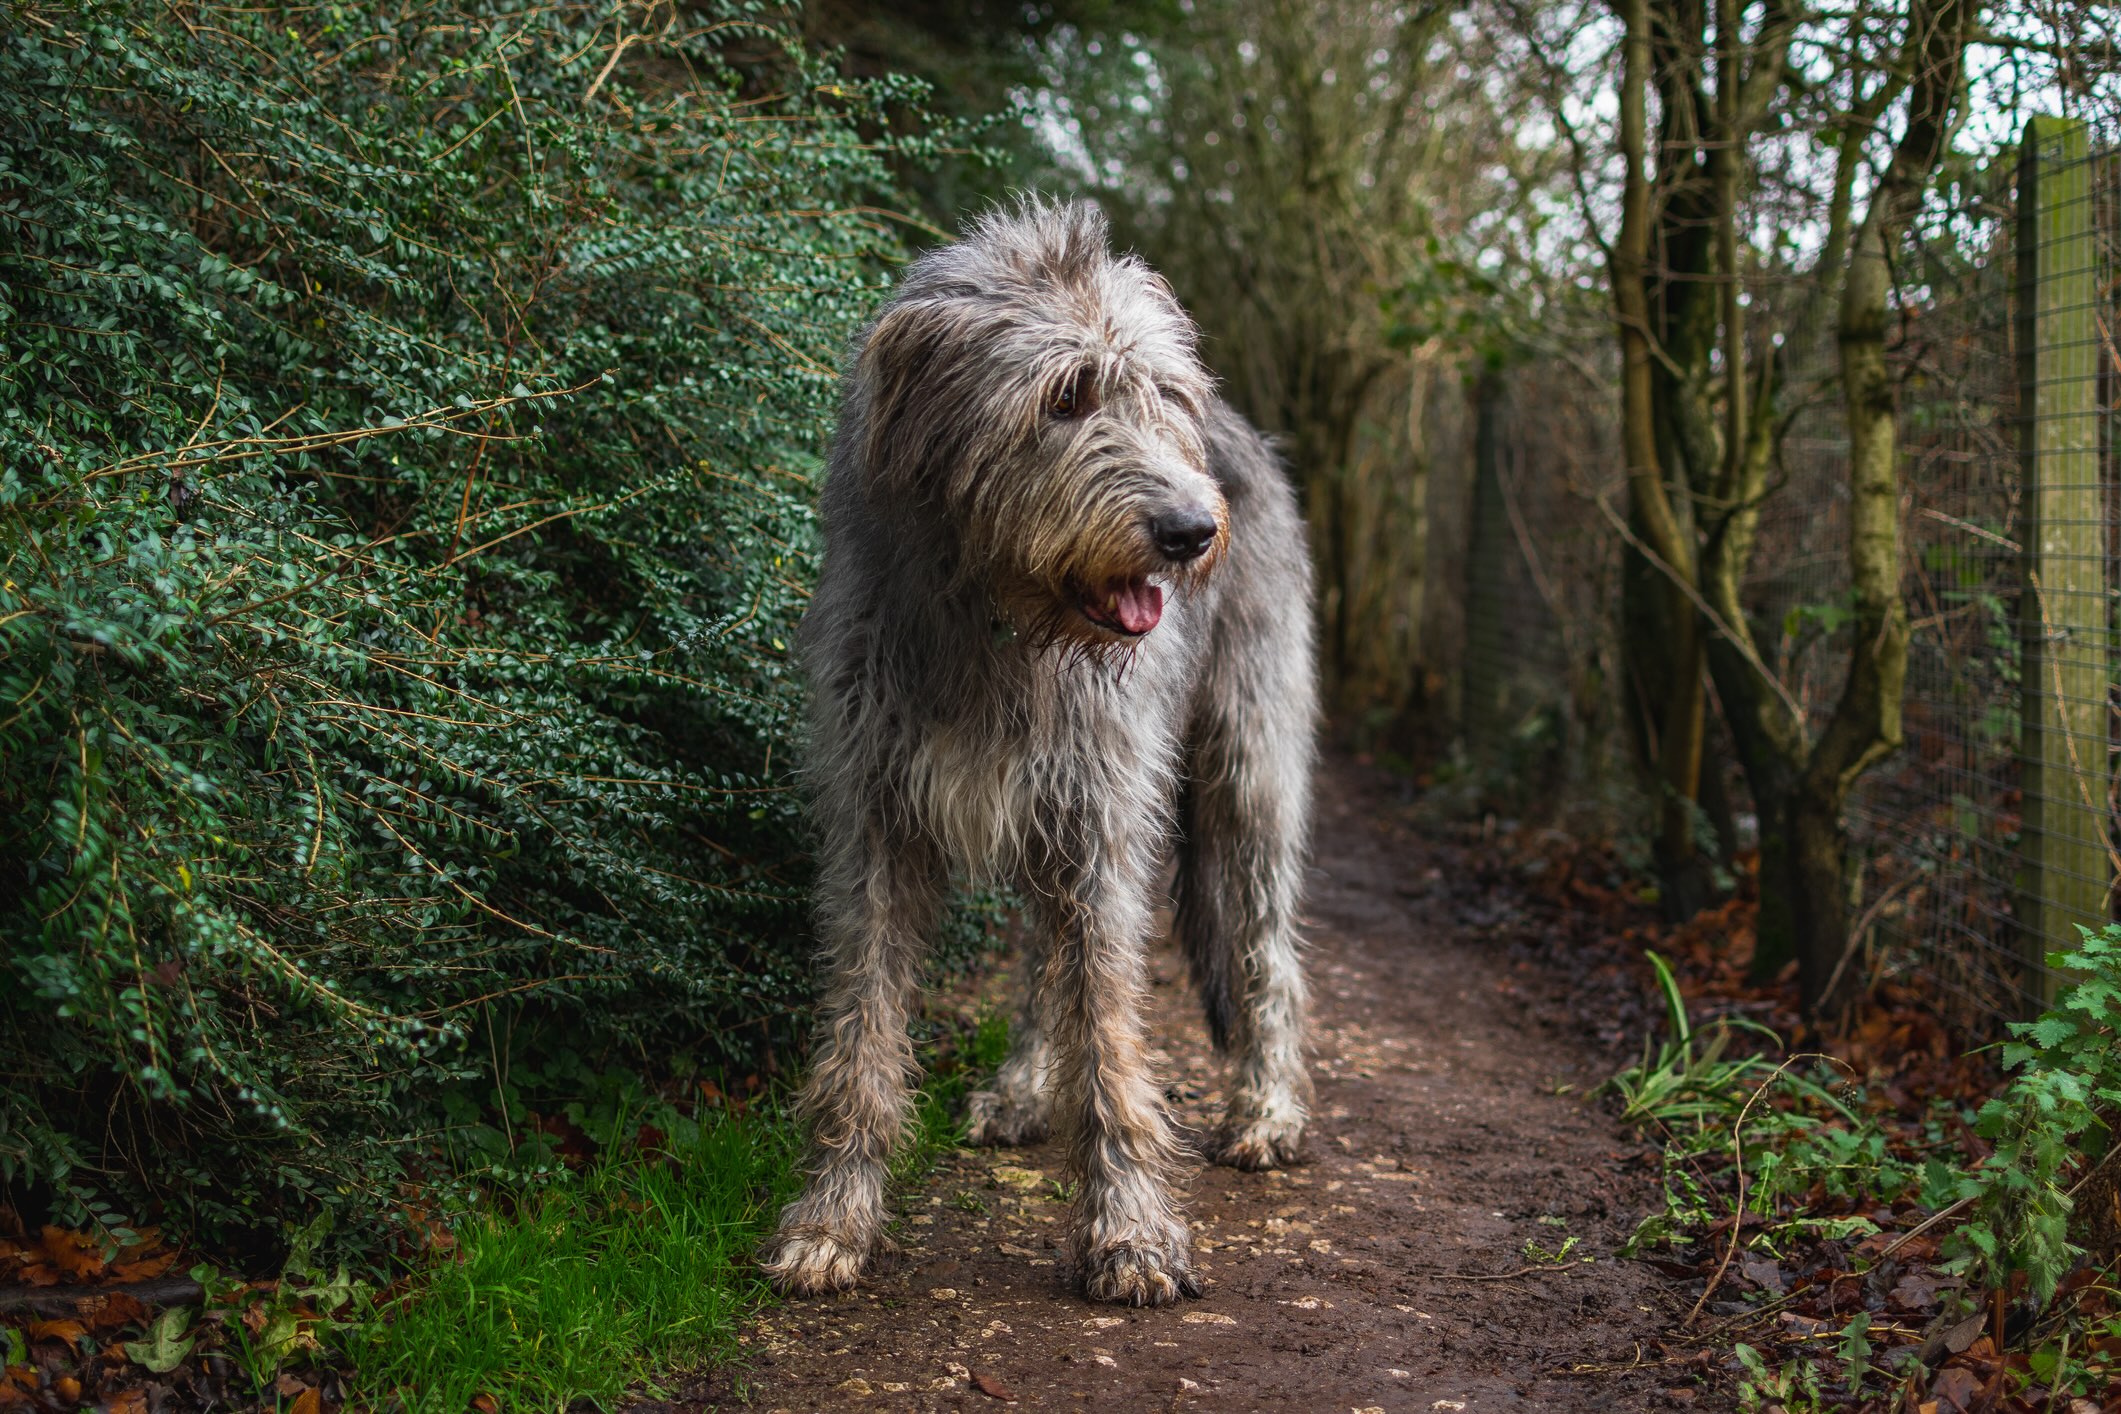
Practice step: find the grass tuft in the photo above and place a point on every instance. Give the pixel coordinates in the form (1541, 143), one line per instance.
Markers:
(1682, 1083)
(640, 1267)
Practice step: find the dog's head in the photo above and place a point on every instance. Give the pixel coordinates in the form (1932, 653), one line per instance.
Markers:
(1042, 396)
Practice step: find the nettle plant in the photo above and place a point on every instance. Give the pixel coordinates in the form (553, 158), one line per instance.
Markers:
(2053, 1127)
(407, 423)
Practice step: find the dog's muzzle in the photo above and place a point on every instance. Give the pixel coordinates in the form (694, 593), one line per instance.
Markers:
(1132, 605)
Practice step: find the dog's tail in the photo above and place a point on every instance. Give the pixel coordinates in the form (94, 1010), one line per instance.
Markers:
(1204, 933)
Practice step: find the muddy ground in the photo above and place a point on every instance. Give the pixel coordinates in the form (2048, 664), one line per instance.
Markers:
(1401, 1268)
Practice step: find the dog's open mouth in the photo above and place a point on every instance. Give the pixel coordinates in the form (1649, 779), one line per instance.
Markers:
(1128, 606)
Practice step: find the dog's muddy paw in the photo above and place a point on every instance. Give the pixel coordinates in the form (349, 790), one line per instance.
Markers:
(1136, 1274)
(809, 1262)
(994, 1117)
(1257, 1144)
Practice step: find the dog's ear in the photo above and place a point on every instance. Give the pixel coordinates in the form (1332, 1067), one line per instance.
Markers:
(907, 367)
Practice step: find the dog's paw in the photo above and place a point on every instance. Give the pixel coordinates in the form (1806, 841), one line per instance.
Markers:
(1259, 1142)
(996, 1117)
(808, 1261)
(1140, 1273)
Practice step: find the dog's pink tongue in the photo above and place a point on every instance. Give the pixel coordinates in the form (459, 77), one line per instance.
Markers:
(1140, 605)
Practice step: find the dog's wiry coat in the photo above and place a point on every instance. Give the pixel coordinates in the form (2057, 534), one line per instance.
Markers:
(1029, 457)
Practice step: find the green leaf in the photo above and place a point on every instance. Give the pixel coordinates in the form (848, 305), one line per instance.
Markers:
(2052, 1030)
(166, 1345)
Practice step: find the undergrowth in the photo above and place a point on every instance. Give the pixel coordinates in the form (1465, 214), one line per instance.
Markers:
(1942, 1249)
(617, 1259)
(1794, 1134)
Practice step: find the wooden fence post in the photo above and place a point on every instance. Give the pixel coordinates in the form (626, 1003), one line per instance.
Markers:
(2067, 869)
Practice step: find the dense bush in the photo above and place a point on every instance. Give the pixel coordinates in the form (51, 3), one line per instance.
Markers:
(407, 416)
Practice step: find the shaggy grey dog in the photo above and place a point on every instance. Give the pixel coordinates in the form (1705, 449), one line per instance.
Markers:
(1063, 628)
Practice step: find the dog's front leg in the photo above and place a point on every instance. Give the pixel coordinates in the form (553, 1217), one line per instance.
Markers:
(1127, 1238)
(878, 902)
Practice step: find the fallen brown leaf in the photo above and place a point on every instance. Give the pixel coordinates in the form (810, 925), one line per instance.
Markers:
(1956, 1389)
(68, 1331)
(126, 1401)
(307, 1402)
(108, 1312)
(144, 1269)
(75, 1254)
(67, 1388)
(486, 1404)
(992, 1387)
(1917, 1291)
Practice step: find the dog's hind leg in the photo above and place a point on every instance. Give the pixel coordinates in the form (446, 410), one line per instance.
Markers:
(1019, 1108)
(1126, 1236)
(878, 901)
(1243, 822)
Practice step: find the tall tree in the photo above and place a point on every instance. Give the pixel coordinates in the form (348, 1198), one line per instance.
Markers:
(1705, 311)
(1801, 779)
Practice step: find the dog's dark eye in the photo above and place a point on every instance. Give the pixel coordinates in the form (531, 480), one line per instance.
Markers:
(1068, 399)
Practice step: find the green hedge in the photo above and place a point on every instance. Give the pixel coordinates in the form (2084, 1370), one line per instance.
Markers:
(407, 418)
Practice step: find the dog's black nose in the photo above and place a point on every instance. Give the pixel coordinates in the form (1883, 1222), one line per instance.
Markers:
(1184, 535)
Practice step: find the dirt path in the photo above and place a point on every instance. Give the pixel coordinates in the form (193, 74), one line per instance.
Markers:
(1388, 1273)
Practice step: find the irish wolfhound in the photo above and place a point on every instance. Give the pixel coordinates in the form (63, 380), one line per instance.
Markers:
(1064, 626)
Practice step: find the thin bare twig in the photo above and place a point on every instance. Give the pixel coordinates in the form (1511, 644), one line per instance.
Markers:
(1738, 1161)
(1564, 1268)
(1870, 916)
(229, 449)
(1723, 628)
(618, 51)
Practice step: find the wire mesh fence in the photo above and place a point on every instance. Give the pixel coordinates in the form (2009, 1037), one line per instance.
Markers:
(1936, 828)
(1989, 836)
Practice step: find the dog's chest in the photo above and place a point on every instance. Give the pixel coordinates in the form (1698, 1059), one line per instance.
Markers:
(975, 792)
(986, 782)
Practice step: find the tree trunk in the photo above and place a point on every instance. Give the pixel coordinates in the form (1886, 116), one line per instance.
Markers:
(1678, 720)
(1775, 926)
(1865, 726)
(1771, 748)
(1819, 902)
